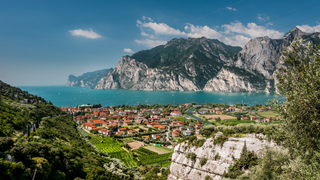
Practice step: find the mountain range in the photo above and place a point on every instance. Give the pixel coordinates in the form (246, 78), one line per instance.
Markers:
(201, 64)
(87, 79)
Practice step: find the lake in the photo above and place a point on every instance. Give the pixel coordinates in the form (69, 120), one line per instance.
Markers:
(64, 96)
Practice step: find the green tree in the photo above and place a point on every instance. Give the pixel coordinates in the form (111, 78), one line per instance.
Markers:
(299, 82)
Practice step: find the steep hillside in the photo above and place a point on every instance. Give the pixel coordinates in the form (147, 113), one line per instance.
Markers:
(87, 79)
(180, 65)
(52, 148)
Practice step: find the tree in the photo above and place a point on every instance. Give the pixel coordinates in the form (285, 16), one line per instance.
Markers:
(299, 81)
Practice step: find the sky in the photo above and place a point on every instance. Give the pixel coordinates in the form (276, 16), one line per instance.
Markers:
(43, 42)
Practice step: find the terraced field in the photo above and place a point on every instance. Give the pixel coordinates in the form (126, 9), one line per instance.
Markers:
(113, 148)
(147, 157)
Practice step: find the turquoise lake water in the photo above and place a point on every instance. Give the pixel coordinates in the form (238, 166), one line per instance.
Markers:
(63, 96)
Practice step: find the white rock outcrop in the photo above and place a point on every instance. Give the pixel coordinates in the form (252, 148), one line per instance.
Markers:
(183, 168)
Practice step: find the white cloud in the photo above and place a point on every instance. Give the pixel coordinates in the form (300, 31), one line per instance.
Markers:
(128, 50)
(234, 33)
(85, 33)
(263, 17)
(252, 30)
(200, 31)
(150, 42)
(146, 18)
(159, 28)
(309, 29)
(232, 9)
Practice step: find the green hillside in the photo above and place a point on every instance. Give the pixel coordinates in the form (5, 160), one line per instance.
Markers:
(55, 150)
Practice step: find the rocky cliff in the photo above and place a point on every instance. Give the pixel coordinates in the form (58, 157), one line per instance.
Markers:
(87, 79)
(219, 158)
(201, 64)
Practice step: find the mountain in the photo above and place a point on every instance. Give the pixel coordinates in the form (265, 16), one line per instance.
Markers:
(196, 64)
(181, 64)
(87, 79)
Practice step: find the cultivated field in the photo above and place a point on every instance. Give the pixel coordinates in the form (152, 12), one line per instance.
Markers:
(221, 116)
(113, 148)
(157, 150)
(148, 157)
(135, 145)
(267, 114)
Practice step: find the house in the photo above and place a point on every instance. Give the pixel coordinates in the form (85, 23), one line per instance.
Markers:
(127, 122)
(203, 112)
(138, 121)
(191, 124)
(181, 128)
(262, 109)
(175, 113)
(96, 113)
(104, 124)
(101, 131)
(187, 133)
(258, 120)
(231, 109)
(252, 118)
(122, 129)
(268, 120)
(156, 136)
(190, 128)
(120, 133)
(244, 118)
(131, 131)
(198, 126)
(173, 124)
(108, 132)
(175, 133)
(180, 123)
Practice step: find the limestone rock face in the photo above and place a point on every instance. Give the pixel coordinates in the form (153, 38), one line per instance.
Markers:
(201, 64)
(184, 168)
(134, 75)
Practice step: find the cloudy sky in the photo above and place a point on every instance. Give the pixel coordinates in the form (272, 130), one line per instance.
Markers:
(43, 42)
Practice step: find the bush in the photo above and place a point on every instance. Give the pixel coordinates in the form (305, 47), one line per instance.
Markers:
(220, 140)
(217, 156)
(191, 156)
(203, 161)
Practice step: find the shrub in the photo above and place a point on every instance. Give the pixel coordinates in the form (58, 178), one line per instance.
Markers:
(220, 140)
(217, 157)
(203, 161)
(192, 156)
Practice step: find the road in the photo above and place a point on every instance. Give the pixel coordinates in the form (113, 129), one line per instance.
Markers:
(167, 135)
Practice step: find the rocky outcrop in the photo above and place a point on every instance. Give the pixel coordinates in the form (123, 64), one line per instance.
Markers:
(87, 79)
(134, 75)
(229, 81)
(262, 54)
(184, 168)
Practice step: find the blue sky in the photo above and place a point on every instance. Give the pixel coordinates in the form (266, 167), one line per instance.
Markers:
(43, 42)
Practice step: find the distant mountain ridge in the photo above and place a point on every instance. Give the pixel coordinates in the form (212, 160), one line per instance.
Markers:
(201, 64)
(87, 79)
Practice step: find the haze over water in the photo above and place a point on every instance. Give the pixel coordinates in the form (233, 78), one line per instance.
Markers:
(63, 96)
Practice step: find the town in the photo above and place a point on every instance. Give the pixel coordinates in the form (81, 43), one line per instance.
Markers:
(130, 132)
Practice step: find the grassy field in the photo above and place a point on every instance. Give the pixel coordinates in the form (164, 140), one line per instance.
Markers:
(267, 114)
